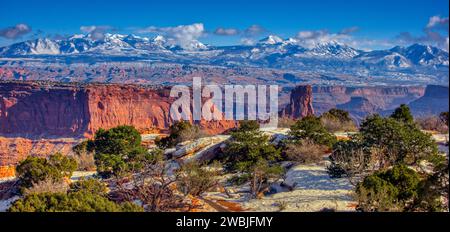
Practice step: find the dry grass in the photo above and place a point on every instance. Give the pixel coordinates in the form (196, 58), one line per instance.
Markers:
(47, 186)
(192, 133)
(85, 161)
(432, 123)
(305, 152)
(334, 125)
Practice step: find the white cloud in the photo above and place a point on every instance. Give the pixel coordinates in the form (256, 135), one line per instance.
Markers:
(437, 21)
(247, 41)
(435, 33)
(254, 30)
(15, 32)
(182, 35)
(96, 32)
(226, 31)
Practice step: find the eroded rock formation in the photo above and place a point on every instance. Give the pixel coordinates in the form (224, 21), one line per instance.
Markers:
(300, 103)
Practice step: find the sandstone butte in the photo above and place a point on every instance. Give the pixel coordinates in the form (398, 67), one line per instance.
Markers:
(41, 118)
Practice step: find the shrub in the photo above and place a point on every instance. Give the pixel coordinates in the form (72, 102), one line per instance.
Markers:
(433, 191)
(376, 194)
(47, 186)
(337, 120)
(350, 158)
(84, 156)
(432, 123)
(195, 179)
(398, 142)
(247, 146)
(403, 114)
(311, 128)
(118, 151)
(90, 185)
(262, 175)
(404, 179)
(382, 142)
(305, 152)
(179, 132)
(393, 189)
(33, 170)
(71, 202)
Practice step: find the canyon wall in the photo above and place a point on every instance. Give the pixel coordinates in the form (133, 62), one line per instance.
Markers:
(40, 118)
(36, 110)
(360, 101)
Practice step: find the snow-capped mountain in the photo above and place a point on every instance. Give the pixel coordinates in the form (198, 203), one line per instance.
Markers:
(271, 39)
(423, 54)
(110, 44)
(270, 52)
(333, 49)
(406, 57)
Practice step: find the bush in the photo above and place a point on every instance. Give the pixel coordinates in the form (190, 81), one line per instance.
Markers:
(118, 151)
(337, 120)
(305, 152)
(179, 132)
(376, 194)
(432, 123)
(381, 143)
(390, 190)
(71, 202)
(84, 156)
(311, 128)
(399, 142)
(33, 170)
(47, 186)
(403, 114)
(350, 158)
(262, 175)
(195, 179)
(247, 146)
(90, 185)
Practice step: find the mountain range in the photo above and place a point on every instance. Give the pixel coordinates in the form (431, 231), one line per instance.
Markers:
(430, 64)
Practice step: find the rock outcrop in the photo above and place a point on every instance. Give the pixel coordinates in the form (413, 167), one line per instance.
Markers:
(300, 103)
(56, 110)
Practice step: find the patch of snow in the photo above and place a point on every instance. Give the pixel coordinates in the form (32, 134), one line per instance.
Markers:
(313, 190)
(5, 204)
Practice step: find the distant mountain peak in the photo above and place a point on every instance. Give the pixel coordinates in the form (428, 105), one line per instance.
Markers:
(333, 48)
(271, 39)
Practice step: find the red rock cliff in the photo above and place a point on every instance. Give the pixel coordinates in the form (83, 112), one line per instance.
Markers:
(56, 110)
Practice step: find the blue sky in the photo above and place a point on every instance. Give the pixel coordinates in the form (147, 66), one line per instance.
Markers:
(370, 24)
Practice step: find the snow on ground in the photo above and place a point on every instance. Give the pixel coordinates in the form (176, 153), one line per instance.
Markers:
(313, 191)
(82, 174)
(4, 204)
